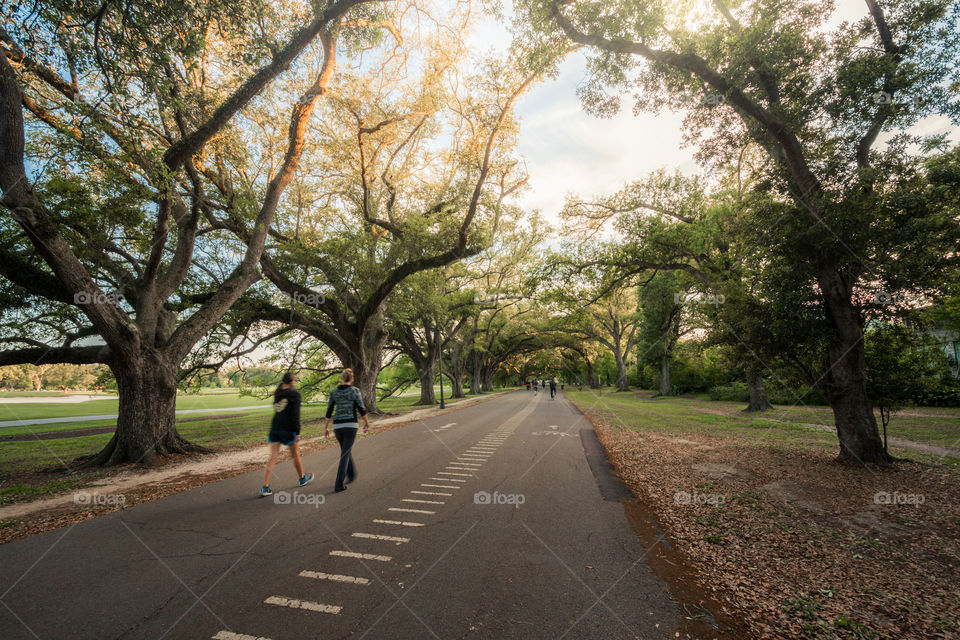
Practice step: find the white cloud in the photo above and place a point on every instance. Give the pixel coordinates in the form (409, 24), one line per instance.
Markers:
(567, 150)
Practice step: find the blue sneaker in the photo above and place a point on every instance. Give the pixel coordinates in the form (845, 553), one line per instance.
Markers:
(306, 479)
(265, 491)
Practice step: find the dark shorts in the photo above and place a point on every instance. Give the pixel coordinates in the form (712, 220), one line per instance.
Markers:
(285, 438)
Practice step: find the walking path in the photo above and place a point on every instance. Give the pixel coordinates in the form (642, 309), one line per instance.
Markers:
(482, 522)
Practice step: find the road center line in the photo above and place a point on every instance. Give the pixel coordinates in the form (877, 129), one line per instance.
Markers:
(431, 493)
(402, 524)
(448, 480)
(418, 501)
(334, 577)
(439, 486)
(448, 473)
(360, 556)
(410, 510)
(293, 603)
(377, 536)
(230, 635)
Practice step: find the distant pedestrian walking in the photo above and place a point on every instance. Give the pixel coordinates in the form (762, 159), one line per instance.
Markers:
(342, 409)
(553, 388)
(285, 430)
(536, 384)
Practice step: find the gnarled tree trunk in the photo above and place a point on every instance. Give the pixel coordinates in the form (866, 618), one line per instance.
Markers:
(456, 370)
(427, 373)
(592, 379)
(758, 394)
(365, 356)
(146, 425)
(665, 386)
(456, 385)
(486, 380)
(476, 377)
(845, 384)
(621, 373)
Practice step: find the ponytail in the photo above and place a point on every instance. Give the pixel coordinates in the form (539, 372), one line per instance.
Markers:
(347, 376)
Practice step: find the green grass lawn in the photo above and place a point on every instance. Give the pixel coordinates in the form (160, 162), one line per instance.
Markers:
(936, 426)
(234, 432)
(209, 399)
(39, 410)
(51, 394)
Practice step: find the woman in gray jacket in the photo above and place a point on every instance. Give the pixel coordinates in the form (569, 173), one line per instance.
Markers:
(342, 409)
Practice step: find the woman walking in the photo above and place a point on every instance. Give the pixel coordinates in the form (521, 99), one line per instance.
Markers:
(285, 430)
(342, 408)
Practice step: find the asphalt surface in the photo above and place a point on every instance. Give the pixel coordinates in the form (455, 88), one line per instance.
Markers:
(487, 522)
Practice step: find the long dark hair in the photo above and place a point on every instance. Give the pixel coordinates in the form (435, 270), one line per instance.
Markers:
(288, 378)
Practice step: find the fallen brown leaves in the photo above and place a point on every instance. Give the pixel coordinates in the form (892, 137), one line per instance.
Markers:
(797, 545)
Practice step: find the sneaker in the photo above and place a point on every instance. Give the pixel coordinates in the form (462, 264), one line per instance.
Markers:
(306, 479)
(265, 491)
(340, 490)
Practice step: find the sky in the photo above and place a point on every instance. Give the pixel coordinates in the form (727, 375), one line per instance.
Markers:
(567, 150)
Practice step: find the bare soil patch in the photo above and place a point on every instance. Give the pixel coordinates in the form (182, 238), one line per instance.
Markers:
(794, 544)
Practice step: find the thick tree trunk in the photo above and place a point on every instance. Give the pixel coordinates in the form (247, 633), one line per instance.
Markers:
(486, 382)
(758, 394)
(592, 378)
(146, 427)
(426, 373)
(424, 358)
(475, 374)
(364, 357)
(456, 384)
(457, 371)
(845, 383)
(621, 373)
(365, 379)
(665, 387)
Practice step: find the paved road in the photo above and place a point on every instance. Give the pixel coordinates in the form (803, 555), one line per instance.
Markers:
(414, 548)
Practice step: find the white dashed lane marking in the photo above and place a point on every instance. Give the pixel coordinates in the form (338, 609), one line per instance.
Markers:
(398, 522)
(402, 510)
(431, 493)
(230, 635)
(360, 556)
(419, 501)
(333, 577)
(439, 486)
(377, 536)
(293, 603)
(447, 480)
(450, 473)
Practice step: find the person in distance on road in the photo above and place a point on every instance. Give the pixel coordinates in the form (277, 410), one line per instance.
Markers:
(553, 388)
(342, 409)
(285, 430)
(536, 384)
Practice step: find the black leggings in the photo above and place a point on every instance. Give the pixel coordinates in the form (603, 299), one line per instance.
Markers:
(346, 438)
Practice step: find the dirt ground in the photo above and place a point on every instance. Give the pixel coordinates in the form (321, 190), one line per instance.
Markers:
(794, 544)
